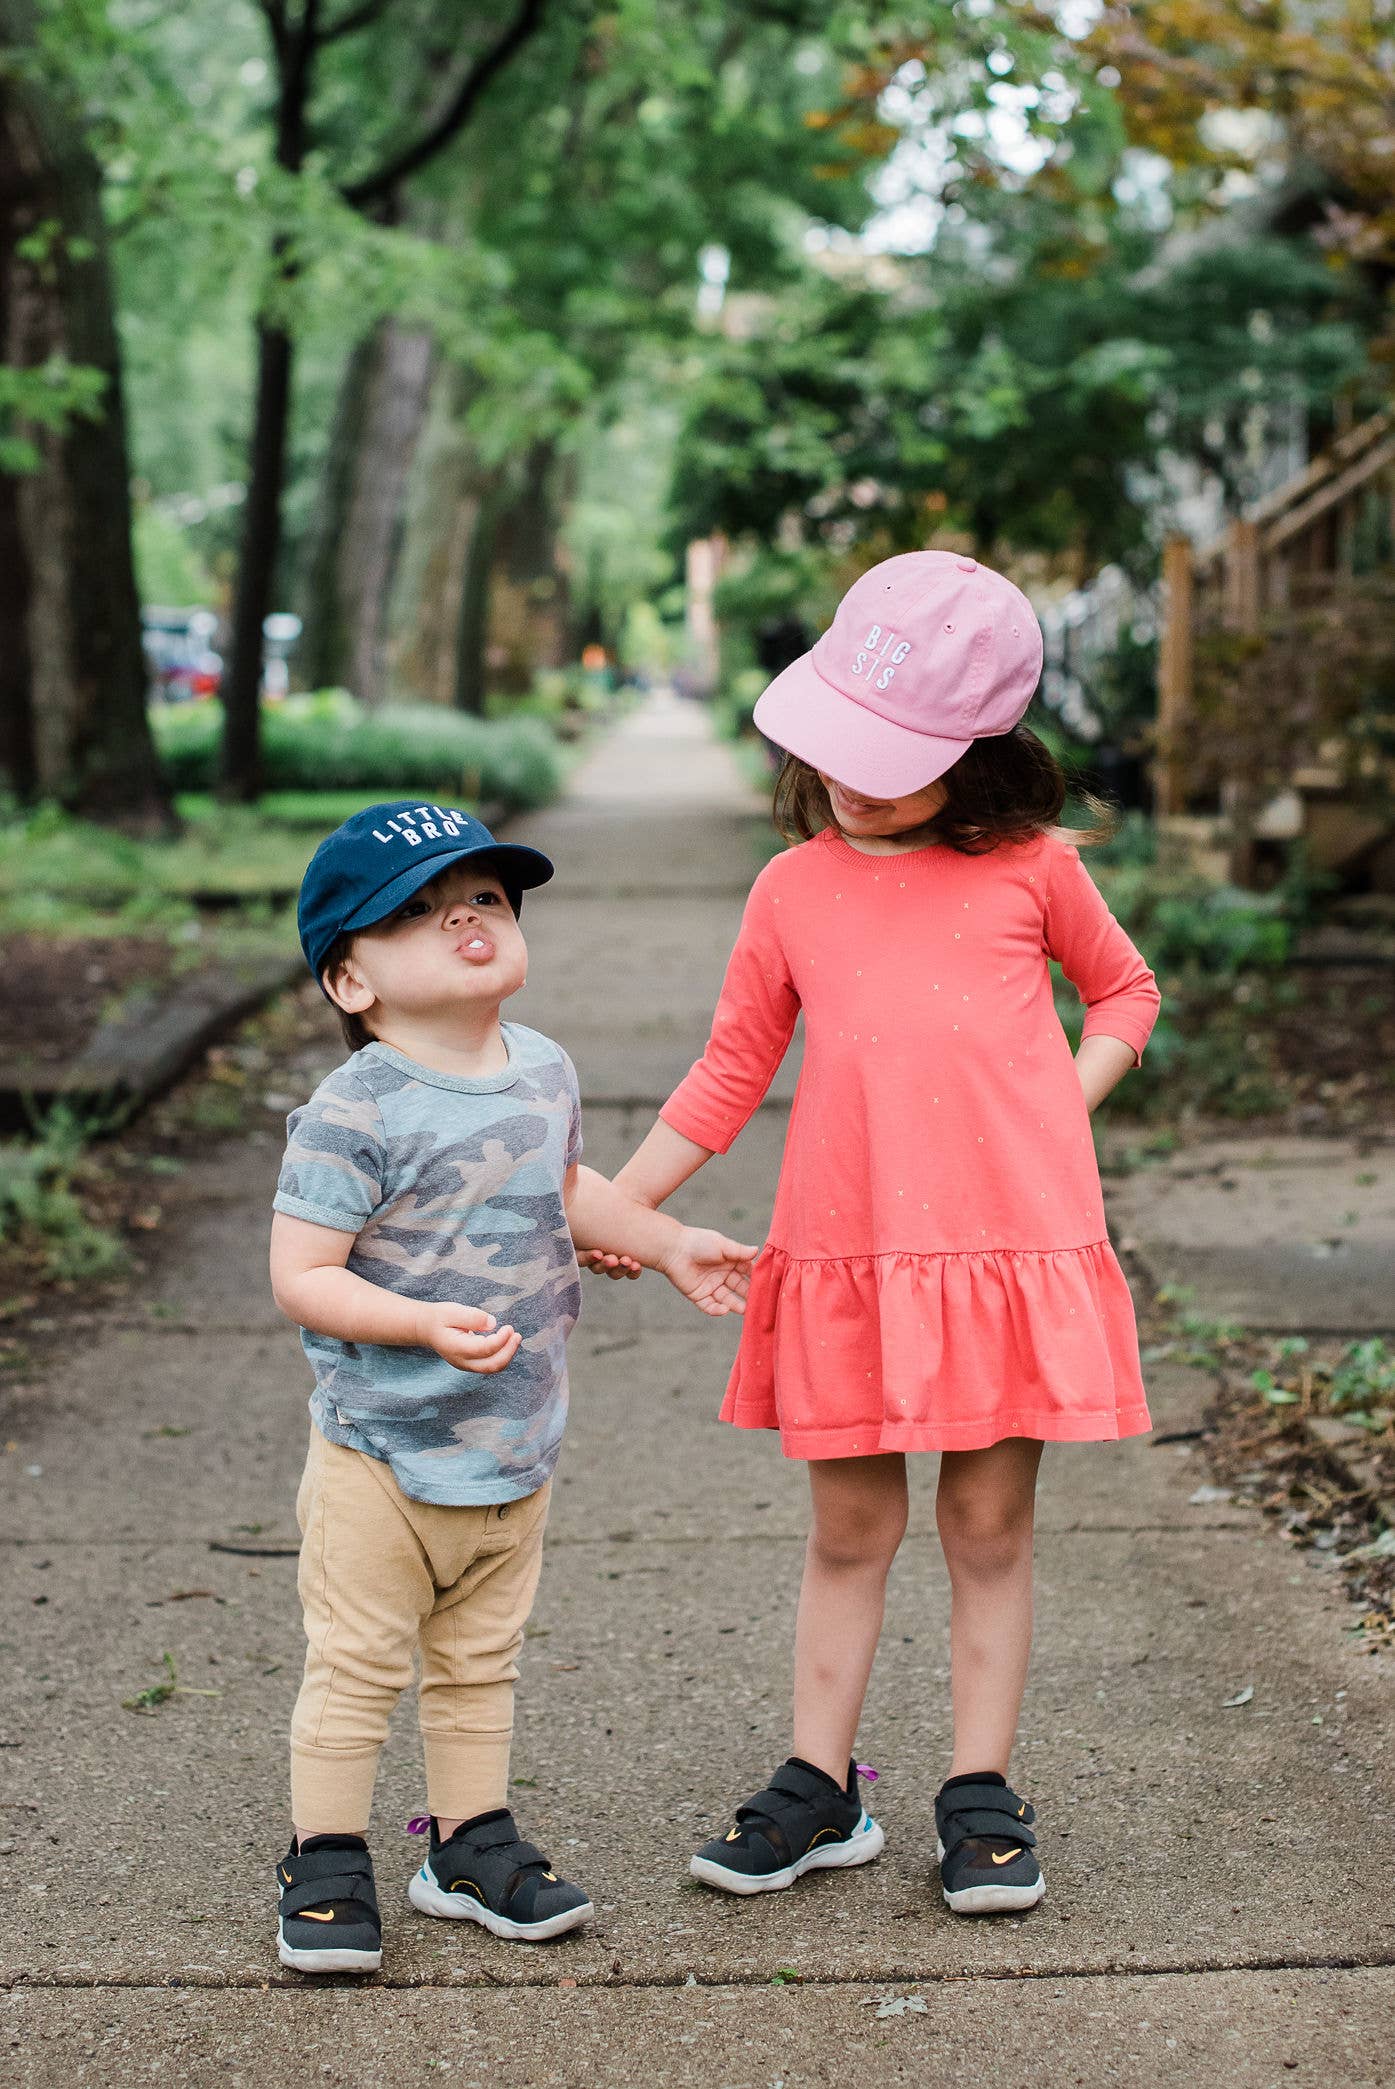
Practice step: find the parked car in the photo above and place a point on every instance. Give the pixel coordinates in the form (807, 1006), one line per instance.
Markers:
(179, 654)
(183, 662)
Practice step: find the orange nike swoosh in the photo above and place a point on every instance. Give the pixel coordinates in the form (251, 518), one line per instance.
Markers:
(1005, 1859)
(309, 1915)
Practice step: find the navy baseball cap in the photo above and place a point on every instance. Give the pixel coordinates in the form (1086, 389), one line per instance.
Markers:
(373, 864)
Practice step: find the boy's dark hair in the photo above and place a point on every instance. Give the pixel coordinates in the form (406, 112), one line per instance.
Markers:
(1005, 788)
(352, 1028)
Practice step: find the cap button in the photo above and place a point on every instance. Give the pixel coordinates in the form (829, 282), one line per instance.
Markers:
(967, 565)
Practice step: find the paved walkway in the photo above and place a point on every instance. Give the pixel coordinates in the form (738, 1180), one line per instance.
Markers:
(1219, 1876)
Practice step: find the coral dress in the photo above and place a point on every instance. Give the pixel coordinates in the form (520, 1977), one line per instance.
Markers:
(938, 1274)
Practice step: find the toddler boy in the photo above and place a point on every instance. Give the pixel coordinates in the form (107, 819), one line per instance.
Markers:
(427, 1218)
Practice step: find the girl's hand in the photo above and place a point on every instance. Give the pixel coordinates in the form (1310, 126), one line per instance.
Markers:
(709, 1269)
(603, 1264)
(468, 1339)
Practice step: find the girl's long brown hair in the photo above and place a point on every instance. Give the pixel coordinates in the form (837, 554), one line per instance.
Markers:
(1009, 788)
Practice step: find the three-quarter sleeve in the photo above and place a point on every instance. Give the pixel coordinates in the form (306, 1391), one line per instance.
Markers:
(751, 1031)
(1119, 991)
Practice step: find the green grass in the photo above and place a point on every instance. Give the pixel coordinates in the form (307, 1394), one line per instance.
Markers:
(330, 743)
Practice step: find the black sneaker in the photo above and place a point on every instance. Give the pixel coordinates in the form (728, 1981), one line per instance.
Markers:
(985, 1846)
(486, 1873)
(802, 1821)
(329, 1907)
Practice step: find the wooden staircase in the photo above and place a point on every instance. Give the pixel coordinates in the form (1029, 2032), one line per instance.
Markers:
(1273, 630)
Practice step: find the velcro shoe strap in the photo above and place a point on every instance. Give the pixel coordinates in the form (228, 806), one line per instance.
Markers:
(986, 1798)
(1000, 1822)
(330, 1864)
(341, 1885)
(501, 1835)
(800, 1783)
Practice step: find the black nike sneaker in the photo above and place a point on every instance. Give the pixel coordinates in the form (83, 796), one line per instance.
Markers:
(329, 1907)
(486, 1873)
(986, 1846)
(803, 1821)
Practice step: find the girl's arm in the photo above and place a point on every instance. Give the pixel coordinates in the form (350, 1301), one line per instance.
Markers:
(660, 1165)
(1119, 991)
(751, 1030)
(1101, 1064)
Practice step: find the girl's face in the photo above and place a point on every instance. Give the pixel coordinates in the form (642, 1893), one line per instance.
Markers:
(882, 819)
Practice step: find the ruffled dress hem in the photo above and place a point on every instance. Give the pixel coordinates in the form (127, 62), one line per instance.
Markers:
(857, 1441)
(953, 1351)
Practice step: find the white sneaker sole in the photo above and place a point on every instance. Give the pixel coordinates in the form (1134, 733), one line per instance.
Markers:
(866, 1842)
(431, 1899)
(990, 1900)
(327, 1961)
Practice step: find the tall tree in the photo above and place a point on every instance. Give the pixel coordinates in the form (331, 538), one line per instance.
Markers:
(73, 684)
(299, 38)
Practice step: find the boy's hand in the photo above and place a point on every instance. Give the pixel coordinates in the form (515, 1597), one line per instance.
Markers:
(709, 1269)
(604, 1264)
(467, 1338)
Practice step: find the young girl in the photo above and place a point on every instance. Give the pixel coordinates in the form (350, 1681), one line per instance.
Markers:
(938, 1275)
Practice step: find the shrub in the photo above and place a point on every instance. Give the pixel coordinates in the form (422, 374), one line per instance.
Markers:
(330, 743)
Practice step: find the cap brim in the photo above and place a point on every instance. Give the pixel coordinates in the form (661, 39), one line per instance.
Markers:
(807, 716)
(514, 865)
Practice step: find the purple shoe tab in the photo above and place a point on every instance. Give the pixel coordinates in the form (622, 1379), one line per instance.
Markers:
(418, 1824)
(866, 1770)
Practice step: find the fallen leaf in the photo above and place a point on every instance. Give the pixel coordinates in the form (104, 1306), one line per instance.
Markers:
(1241, 1697)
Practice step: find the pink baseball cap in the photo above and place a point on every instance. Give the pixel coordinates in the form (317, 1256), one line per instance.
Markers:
(926, 654)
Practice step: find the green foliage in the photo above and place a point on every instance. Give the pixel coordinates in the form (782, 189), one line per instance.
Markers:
(1181, 922)
(40, 1208)
(329, 742)
(49, 396)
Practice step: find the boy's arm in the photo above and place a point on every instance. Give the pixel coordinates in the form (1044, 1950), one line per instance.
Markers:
(705, 1266)
(312, 1287)
(653, 1172)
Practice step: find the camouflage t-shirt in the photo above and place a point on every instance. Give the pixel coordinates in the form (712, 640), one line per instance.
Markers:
(453, 1189)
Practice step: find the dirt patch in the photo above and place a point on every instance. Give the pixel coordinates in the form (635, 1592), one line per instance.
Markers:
(1334, 1499)
(59, 992)
(1334, 1046)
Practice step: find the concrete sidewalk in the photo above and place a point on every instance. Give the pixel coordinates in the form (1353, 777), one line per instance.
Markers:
(1218, 1876)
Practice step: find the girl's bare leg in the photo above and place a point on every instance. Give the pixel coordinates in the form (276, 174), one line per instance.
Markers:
(984, 1510)
(859, 1521)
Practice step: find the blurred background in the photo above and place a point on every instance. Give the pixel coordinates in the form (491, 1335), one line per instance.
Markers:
(391, 390)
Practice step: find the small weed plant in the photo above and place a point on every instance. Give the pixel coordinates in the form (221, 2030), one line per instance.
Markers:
(40, 1208)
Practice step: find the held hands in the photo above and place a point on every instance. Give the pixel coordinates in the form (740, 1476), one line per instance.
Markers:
(714, 1273)
(709, 1269)
(467, 1338)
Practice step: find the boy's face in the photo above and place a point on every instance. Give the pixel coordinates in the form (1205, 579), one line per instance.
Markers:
(454, 945)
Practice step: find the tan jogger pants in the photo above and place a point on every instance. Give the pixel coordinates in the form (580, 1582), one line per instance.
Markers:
(383, 1577)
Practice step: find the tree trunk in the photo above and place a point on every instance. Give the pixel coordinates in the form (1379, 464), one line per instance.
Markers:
(472, 627)
(440, 511)
(18, 762)
(256, 568)
(73, 679)
(357, 530)
(529, 609)
(266, 473)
